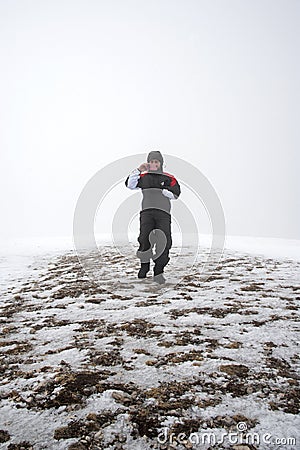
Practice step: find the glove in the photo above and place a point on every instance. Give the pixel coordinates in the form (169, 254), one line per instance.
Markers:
(168, 194)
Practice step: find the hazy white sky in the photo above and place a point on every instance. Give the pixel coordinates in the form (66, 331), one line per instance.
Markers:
(216, 83)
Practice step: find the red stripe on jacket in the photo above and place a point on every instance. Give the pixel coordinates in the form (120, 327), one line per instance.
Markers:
(173, 179)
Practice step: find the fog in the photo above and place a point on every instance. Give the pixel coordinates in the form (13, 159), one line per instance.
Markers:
(85, 83)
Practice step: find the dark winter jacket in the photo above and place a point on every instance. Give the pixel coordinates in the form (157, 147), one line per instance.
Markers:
(157, 188)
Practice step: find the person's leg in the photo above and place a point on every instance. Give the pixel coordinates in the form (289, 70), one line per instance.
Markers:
(163, 223)
(144, 252)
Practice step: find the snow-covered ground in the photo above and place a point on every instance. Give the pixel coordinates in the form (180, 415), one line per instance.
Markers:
(120, 363)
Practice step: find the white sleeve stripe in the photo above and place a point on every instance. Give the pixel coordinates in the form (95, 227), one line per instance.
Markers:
(133, 179)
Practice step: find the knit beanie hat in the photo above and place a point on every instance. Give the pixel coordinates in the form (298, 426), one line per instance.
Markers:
(155, 154)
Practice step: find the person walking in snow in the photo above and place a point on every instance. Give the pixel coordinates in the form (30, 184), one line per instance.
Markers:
(158, 189)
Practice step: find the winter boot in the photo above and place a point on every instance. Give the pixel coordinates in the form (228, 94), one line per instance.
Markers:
(145, 267)
(159, 278)
(158, 274)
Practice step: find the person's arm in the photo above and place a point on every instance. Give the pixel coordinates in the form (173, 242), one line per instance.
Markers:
(133, 179)
(172, 189)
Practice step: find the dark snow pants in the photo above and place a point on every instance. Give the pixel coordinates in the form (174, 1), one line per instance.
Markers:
(151, 219)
